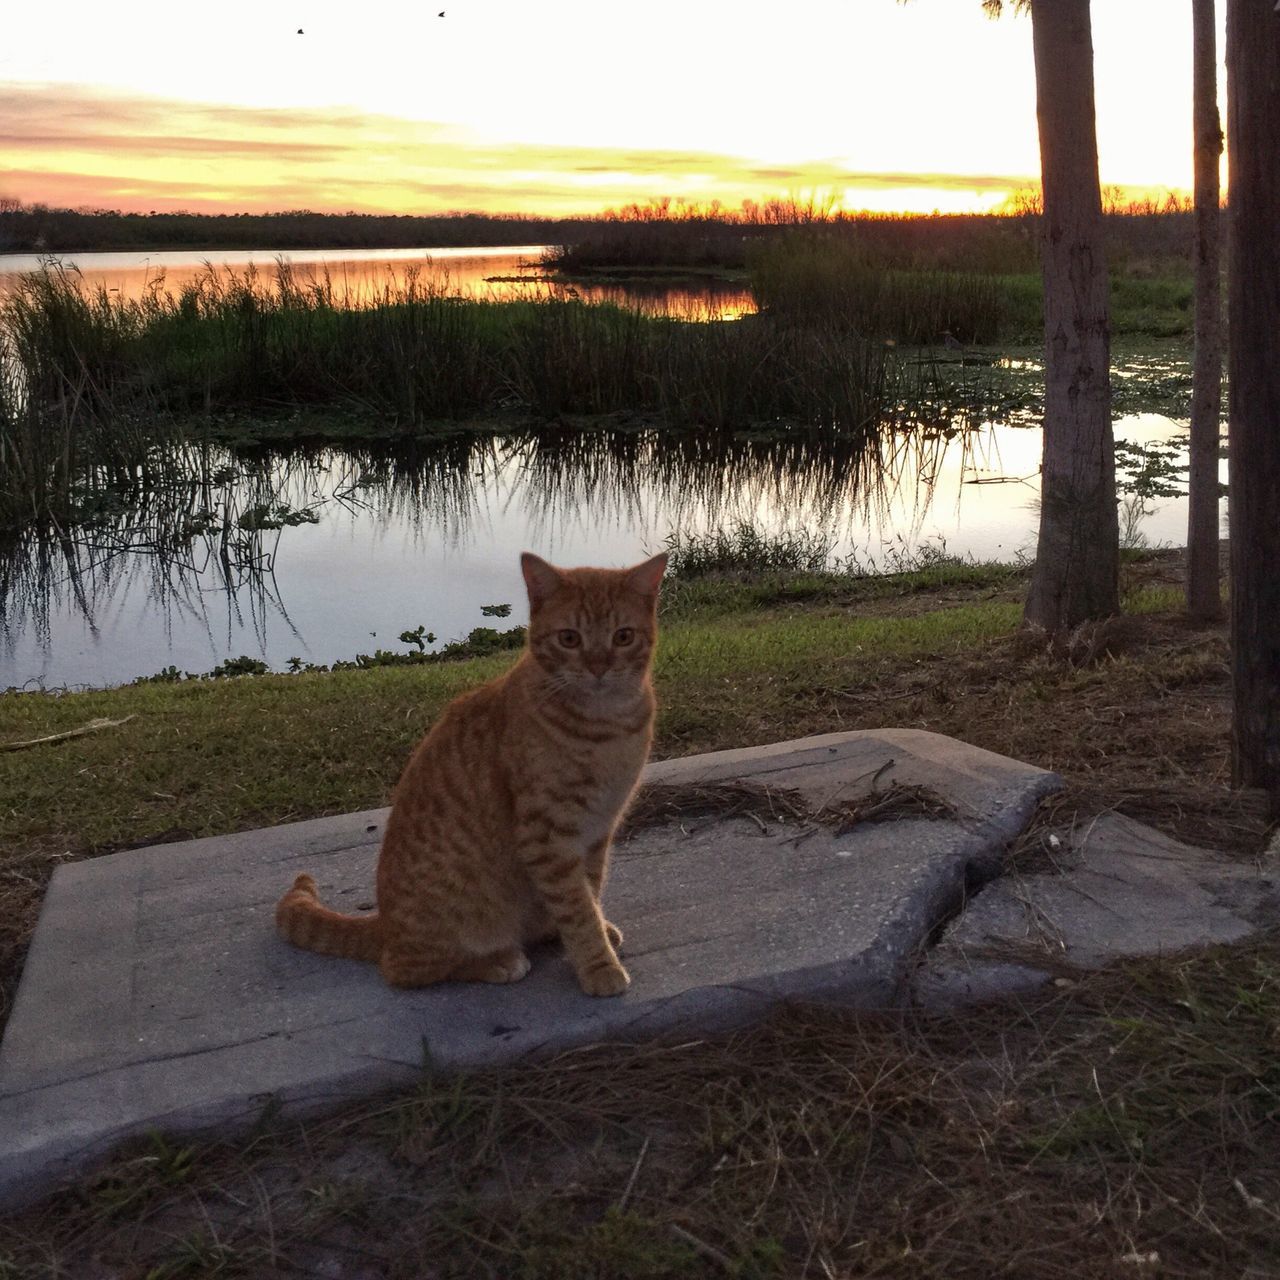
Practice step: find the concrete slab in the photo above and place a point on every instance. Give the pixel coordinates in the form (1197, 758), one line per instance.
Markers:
(157, 995)
(1120, 889)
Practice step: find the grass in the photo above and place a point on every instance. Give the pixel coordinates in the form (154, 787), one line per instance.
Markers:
(1137, 715)
(232, 342)
(737, 592)
(837, 281)
(95, 381)
(1140, 241)
(336, 741)
(62, 445)
(743, 548)
(623, 250)
(832, 280)
(744, 659)
(1126, 1123)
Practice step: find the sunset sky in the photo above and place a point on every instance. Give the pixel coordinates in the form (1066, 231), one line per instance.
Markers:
(561, 106)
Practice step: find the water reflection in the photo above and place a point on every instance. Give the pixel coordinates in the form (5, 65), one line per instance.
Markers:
(324, 553)
(195, 526)
(216, 553)
(359, 277)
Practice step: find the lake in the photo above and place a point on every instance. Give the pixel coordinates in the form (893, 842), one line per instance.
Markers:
(503, 273)
(430, 536)
(321, 554)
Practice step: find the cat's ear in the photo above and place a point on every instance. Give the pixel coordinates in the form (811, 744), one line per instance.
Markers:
(540, 578)
(645, 578)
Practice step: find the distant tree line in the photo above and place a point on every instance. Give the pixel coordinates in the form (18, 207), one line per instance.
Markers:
(661, 232)
(37, 228)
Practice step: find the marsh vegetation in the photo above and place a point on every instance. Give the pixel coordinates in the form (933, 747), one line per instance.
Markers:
(143, 435)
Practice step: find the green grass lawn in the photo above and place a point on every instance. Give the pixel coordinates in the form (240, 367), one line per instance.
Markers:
(203, 757)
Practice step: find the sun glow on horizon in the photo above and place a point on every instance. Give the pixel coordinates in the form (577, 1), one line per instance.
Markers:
(565, 109)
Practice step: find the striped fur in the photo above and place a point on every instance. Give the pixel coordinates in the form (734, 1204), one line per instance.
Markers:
(501, 823)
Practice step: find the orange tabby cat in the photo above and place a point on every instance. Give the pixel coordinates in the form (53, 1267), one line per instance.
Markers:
(500, 826)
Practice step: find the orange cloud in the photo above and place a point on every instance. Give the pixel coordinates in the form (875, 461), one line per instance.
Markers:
(69, 145)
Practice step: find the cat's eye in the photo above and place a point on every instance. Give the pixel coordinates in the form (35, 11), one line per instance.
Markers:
(568, 639)
(623, 636)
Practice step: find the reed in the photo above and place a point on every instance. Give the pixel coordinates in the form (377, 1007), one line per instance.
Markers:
(916, 280)
(97, 380)
(76, 423)
(834, 281)
(1141, 238)
(744, 547)
(639, 248)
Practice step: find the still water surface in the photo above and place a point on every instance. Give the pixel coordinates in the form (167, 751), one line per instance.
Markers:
(430, 537)
(502, 273)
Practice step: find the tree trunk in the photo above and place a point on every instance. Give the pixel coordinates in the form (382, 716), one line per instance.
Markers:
(1077, 569)
(1204, 599)
(1253, 151)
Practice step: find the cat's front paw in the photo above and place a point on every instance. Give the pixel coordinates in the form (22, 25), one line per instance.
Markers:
(611, 980)
(614, 934)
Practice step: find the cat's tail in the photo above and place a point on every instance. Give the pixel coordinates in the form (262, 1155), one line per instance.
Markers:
(304, 921)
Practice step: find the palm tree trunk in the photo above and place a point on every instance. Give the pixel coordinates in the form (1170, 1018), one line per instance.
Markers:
(1253, 309)
(1204, 599)
(1076, 574)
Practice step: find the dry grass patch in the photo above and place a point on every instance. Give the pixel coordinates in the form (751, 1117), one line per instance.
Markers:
(1137, 720)
(717, 802)
(1127, 1124)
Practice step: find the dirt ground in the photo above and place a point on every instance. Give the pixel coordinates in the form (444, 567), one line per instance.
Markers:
(1124, 1124)
(1135, 713)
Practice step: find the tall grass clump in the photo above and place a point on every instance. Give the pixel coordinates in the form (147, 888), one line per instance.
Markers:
(71, 343)
(74, 414)
(413, 354)
(745, 548)
(621, 249)
(831, 281)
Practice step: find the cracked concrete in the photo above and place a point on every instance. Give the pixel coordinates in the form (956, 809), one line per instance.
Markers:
(1118, 889)
(157, 995)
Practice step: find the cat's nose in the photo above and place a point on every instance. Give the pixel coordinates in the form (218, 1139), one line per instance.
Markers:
(596, 663)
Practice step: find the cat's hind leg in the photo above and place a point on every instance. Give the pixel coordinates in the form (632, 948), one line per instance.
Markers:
(413, 968)
(509, 965)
